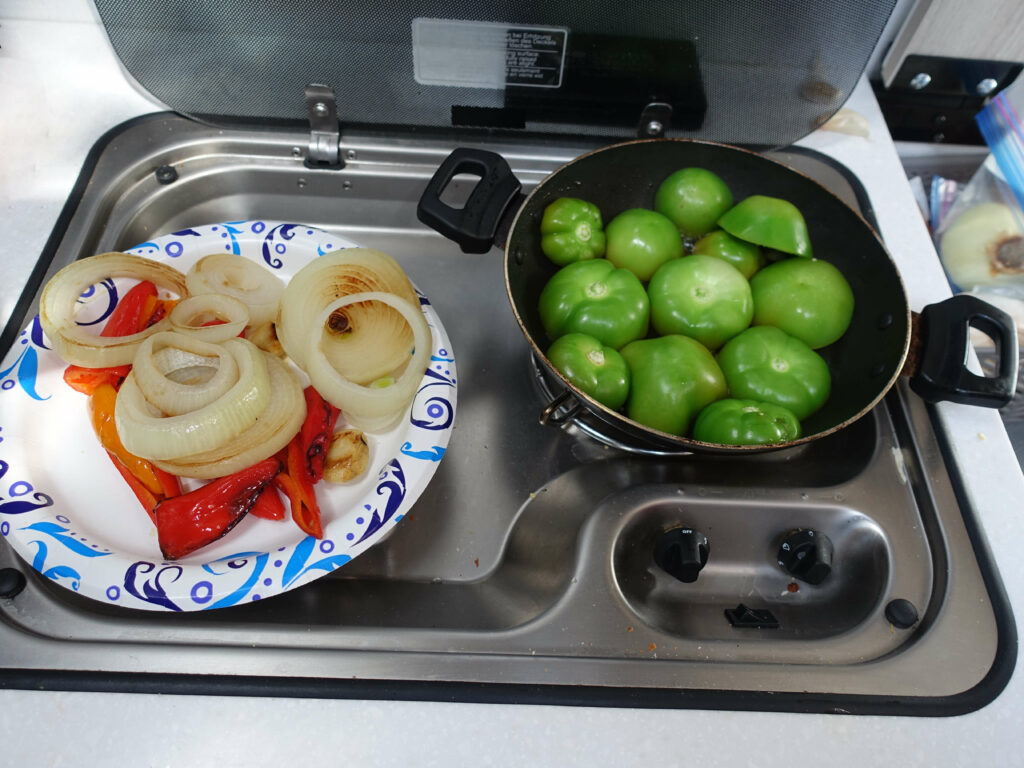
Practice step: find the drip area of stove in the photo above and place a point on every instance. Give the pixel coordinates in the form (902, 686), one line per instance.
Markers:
(542, 565)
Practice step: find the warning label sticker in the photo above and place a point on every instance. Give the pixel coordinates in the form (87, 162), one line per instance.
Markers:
(480, 54)
(534, 57)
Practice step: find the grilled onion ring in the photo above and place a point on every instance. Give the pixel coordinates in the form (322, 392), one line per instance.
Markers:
(190, 313)
(240, 278)
(370, 408)
(272, 431)
(367, 340)
(57, 307)
(147, 432)
(179, 374)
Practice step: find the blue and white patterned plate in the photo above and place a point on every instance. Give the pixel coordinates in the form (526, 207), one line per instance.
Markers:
(67, 512)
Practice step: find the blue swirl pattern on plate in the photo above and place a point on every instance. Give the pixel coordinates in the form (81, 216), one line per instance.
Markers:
(63, 535)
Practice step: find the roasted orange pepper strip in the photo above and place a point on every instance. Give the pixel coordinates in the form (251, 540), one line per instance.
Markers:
(101, 412)
(146, 498)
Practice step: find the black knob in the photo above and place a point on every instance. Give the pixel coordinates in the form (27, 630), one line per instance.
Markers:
(682, 552)
(166, 174)
(806, 555)
(901, 613)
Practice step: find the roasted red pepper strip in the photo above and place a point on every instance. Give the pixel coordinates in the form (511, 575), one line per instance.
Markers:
(134, 312)
(86, 380)
(131, 314)
(299, 490)
(316, 432)
(304, 462)
(169, 484)
(268, 505)
(190, 521)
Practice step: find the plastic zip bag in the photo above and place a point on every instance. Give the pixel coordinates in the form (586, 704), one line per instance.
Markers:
(980, 237)
(1000, 126)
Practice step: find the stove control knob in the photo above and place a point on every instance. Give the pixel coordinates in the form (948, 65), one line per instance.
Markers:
(682, 553)
(806, 554)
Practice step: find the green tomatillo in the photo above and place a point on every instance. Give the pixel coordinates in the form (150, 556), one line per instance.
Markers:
(765, 363)
(595, 298)
(641, 241)
(672, 378)
(746, 257)
(701, 297)
(745, 422)
(571, 230)
(598, 370)
(770, 222)
(693, 198)
(807, 298)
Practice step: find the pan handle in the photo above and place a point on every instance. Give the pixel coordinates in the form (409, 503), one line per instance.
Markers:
(475, 225)
(550, 415)
(942, 373)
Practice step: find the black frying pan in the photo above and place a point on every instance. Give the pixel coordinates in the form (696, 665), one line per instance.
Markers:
(883, 339)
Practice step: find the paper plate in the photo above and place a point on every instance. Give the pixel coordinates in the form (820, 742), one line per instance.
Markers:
(67, 512)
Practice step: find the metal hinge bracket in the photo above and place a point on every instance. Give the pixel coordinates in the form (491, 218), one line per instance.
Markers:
(655, 119)
(324, 133)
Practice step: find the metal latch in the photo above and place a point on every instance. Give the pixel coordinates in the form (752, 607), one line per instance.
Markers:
(324, 134)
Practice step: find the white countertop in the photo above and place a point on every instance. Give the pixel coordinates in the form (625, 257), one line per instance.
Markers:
(60, 89)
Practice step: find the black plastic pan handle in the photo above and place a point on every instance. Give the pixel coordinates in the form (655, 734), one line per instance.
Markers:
(475, 225)
(942, 373)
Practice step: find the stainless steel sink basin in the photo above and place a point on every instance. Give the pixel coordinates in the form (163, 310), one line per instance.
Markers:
(527, 570)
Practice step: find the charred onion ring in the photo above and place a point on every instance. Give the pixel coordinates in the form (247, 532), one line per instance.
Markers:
(57, 307)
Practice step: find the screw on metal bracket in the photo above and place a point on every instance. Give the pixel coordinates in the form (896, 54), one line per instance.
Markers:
(920, 80)
(654, 120)
(324, 134)
(986, 86)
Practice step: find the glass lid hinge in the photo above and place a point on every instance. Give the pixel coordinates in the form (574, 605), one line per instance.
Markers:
(655, 119)
(324, 133)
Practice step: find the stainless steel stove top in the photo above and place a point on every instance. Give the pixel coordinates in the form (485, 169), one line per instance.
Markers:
(527, 569)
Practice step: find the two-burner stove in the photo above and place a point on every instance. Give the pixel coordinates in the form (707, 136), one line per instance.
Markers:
(542, 564)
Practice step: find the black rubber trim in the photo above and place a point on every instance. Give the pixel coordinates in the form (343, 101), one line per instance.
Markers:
(515, 693)
(491, 693)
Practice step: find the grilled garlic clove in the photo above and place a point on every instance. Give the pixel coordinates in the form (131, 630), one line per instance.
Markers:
(264, 336)
(347, 457)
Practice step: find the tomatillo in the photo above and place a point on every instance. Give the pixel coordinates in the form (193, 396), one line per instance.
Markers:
(641, 241)
(571, 230)
(746, 257)
(745, 422)
(768, 221)
(598, 370)
(765, 363)
(807, 298)
(595, 298)
(672, 378)
(693, 198)
(701, 297)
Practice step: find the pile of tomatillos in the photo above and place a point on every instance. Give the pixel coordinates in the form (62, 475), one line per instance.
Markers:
(700, 318)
